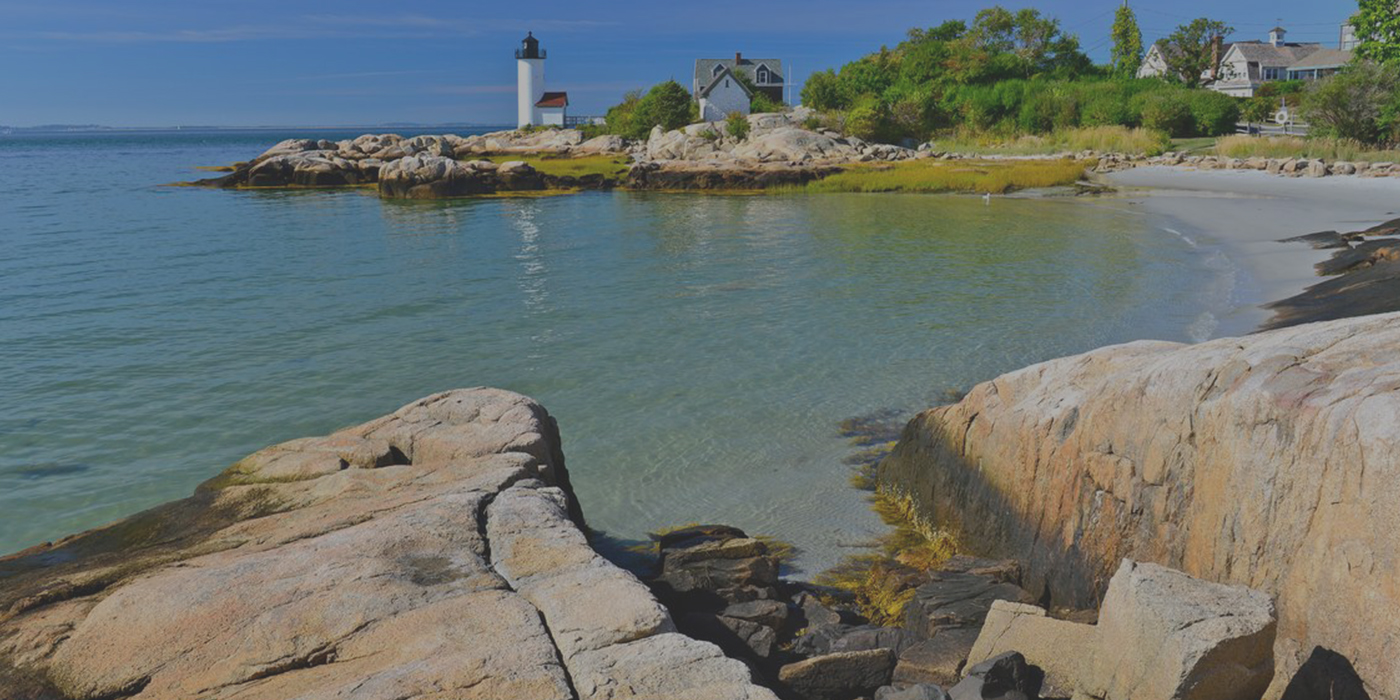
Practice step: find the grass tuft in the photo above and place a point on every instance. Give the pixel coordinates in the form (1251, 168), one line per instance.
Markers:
(610, 166)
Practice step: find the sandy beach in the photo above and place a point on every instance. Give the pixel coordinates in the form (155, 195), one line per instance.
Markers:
(1246, 213)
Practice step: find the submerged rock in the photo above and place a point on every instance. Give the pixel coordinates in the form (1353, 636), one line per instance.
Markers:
(435, 551)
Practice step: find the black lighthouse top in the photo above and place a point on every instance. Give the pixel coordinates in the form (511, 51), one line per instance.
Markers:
(529, 48)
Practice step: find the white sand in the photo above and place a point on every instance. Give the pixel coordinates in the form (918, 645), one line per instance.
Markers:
(1245, 213)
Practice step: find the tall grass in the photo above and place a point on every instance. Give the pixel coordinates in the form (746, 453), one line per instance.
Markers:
(1104, 139)
(930, 176)
(1241, 146)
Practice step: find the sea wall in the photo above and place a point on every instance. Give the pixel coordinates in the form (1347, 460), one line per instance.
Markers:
(1271, 461)
(435, 552)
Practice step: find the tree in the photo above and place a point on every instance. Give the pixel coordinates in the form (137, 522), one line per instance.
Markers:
(1024, 43)
(1190, 50)
(1378, 29)
(1361, 102)
(667, 105)
(822, 91)
(1127, 43)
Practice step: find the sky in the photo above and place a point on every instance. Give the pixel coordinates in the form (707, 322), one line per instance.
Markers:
(356, 62)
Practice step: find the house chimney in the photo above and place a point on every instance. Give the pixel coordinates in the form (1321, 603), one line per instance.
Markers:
(1217, 45)
(738, 58)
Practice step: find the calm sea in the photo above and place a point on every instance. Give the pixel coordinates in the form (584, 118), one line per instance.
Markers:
(699, 351)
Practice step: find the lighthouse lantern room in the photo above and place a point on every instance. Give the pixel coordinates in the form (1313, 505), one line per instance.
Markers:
(535, 106)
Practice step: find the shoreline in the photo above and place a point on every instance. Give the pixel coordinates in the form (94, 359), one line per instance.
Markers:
(1248, 214)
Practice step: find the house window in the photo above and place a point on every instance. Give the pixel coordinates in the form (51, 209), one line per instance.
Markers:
(764, 77)
(718, 69)
(1273, 73)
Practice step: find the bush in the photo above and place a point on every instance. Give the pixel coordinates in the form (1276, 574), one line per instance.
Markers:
(737, 125)
(763, 104)
(866, 120)
(1169, 113)
(1362, 102)
(1214, 114)
(667, 105)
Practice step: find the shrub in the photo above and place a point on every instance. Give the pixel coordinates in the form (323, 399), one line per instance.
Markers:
(667, 105)
(763, 104)
(1169, 113)
(866, 120)
(737, 125)
(1362, 102)
(1214, 114)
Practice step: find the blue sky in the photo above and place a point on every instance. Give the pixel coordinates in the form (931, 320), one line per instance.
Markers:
(312, 62)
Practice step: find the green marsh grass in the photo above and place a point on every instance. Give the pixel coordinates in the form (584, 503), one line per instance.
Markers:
(932, 176)
(1103, 139)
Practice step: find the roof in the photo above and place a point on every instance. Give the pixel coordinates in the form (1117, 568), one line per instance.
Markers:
(554, 99)
(726, 73)
(705, 68)
(1323, 58)
(1281, 56)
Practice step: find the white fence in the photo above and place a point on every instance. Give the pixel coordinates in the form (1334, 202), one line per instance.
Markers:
(1269, 129)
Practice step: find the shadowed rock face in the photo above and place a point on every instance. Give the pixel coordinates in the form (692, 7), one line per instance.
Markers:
(1271, 461)
(435, 552)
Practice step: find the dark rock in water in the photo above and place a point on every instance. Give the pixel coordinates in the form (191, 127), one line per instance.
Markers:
(1321, 240)
(843, 676)
(1005, 677)
(938, 660)
(1359, 256)
(1326, 675)
(1370, 290)
(708, 567)
(1389, 228)
(920, 691)
(812, 613)
(51, 469)
(955, 599)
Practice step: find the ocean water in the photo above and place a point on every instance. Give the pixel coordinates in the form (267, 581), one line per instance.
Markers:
(698, 351)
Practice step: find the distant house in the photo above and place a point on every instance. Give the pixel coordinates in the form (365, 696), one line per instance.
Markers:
(723, 85)
(1245, 65)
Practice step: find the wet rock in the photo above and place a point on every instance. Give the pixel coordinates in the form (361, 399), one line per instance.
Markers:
(1321, 240)
(1005, 677)
(432, 177)
(842, 676)
(712, 566)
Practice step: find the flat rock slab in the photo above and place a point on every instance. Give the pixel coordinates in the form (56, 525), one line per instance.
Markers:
(435, 552)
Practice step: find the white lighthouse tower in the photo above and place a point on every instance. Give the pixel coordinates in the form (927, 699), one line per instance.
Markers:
(530, 87)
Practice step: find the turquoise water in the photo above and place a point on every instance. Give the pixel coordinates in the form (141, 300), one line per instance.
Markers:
(698, 351)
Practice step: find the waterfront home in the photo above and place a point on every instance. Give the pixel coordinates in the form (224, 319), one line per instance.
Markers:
(1243, 66)
(723, 85)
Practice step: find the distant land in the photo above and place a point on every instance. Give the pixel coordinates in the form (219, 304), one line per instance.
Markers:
(91, 128)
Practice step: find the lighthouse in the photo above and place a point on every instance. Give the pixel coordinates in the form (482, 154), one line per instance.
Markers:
(535, 106)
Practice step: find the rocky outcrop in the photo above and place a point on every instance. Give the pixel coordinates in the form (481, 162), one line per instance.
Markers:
(435, 552)
(1268, 461)
(721, 175)
(1365, 277)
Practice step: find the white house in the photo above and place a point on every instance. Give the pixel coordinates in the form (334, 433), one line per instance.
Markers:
(1245, 65)
(723, 85)
(534, 106)
(723, 96)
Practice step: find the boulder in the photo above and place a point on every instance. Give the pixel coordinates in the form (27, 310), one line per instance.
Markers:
(1163, 635)
(953, 599)
(921, 691)
(432, 177)
(1005, 677)
(1055, 646)
(1265, 461)
(437, 551)
(712, 566)
(939, 660)
(608, 143)
(843, 676)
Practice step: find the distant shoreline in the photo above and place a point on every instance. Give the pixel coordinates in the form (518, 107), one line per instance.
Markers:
(98, 129)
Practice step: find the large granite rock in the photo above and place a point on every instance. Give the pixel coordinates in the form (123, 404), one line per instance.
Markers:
(1163, 635)
(435, 552)
(1269, 461)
